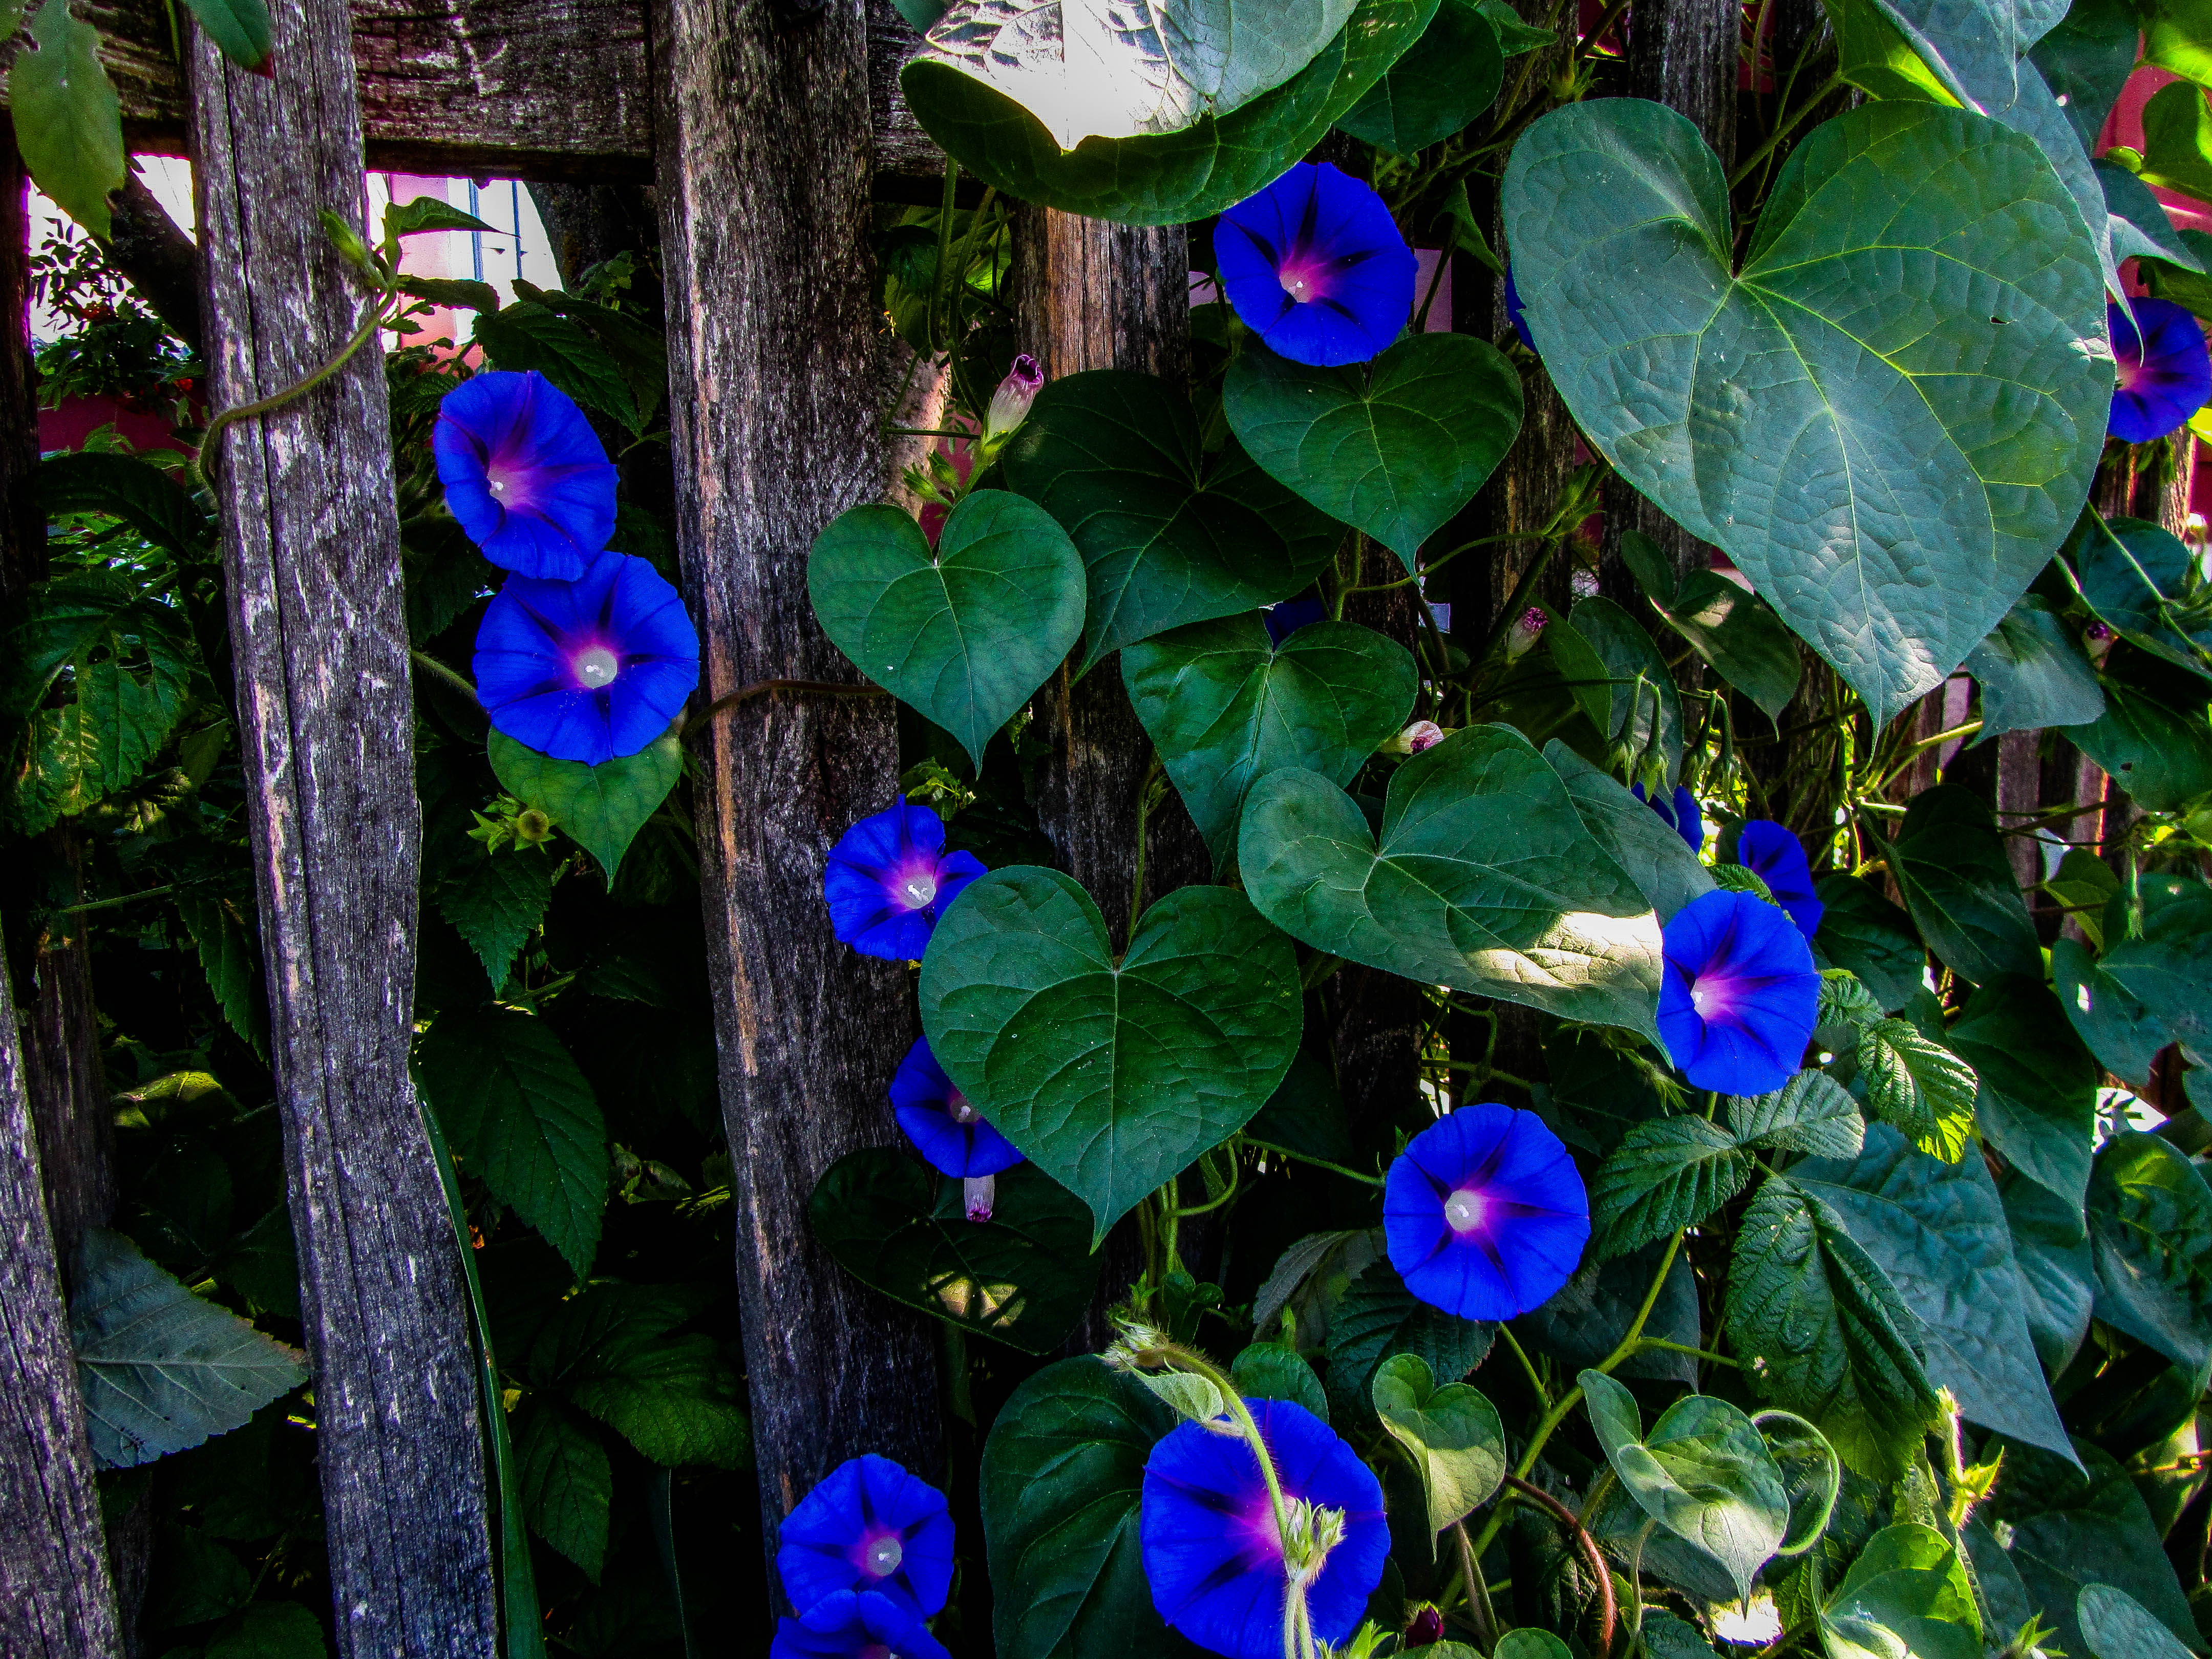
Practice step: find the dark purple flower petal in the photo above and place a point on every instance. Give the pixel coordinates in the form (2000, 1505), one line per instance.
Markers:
(2164, 372)
(931, 1111)
(587, 669)
(525, 475)
(1315, 265)
(1484, 1213)
(1211, 1551)
(889, 878)
(1514, 312)
(1681, 814)
(869, 1526)
(1739, 996)
(1778, 857)
(1285, 619)
(849, 1625)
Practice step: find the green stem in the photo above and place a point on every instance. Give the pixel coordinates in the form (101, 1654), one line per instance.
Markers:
(109, 903)
(438, 670)
(1318, 1162)
(1522, 590)
(1784, 127)
(1695, 1353)
(1148, 795)
(1479, 1610)
(1543, 1394)
(943, 258)
(372, 320)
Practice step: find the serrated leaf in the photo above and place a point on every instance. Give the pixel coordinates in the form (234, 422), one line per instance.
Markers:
(2032, 672)
(523, 1119)
(1452, 1433)
(1062, 1482)
(1482, 878)
(68, 121)
(160, 1368)
(1379, 1317)
(1811, 1112)
(566, 1482)
(1824, 1331)
(1393, 447)
(965, 632)
(1659, 861)
(1666, 1173)
(1845, 1002)
(1225, 706)
(1938, 1233)
(601, 808)
(524, 335)
(1310, 1267)
(457, 294)
(1920, 1086)
(1959, 886)
(229, 948)
(1112, 1076)
(1024, 1277)
(676, 1398)
(2036, 1099)
(2150, 1230)
(1445, 80)
(1170, 534)
(497, 901)
(135, 491)
(1623, 256)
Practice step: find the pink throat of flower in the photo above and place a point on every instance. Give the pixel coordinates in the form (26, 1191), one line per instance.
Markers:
(956, 1106)
(912, 881)
(509, 484)
(1712, 997)
(1302, 279)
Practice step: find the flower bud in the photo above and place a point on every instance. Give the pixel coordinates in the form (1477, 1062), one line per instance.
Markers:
(1524, 632)
(1427, 1628)
(1583, 584)
(978, 1194)
(1010, 404)
(1421, 734)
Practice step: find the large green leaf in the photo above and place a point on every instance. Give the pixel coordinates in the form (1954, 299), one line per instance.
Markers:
(495, 902)
(135, 491)
(1959, 886)
(1169, 533)
(1162, 178)
(1589, 1317)
(2164, 965)
(1897, 409)
(2124, 1036)
(2140, 578)
(677, 1399)
(1917, 1085)
(1646, 726)
(2150, 1229)
(1907, 1596)
(2076, 1524)
(1703, 1473)
(1062, 1481)
(963, 634)
(1811, 1112)
(1393, 447)
(1452, 1433)
(527, 336)
(2032, 672)
(601, 808)
(567, 1484)
(228, 941)
(1737, 633)
(1668, 1173)
(1659, 861)
(1379, 1317)
(1225, 707)
(2057, 1274)
(1268, 1370)
(2178, 37)
(2140, 229)
(1112, 1076)
(520, 1116)
(1938, 1233)
(2036, 1102)
(1024, 1277)
(2115, 1626)
(69, 123)
(1445, 79)
(1482, 878)
(2154, 737)
(1829, 1335)
(1865, 933)
(160, 1368)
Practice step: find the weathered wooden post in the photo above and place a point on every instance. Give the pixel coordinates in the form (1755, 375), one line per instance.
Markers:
(56, 1599)
(775, 373)
(311, 546)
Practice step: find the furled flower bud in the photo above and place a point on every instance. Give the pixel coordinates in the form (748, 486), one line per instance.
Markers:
(1428, 1627)
(979, 1194)
(1583, 584)
(1523, 633)
(1010, 404)
(2098, 633)
(1421, 734)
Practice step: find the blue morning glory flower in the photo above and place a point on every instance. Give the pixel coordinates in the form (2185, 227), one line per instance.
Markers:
(1681, 815)
(1212, 1553)
(869, 1526)
(846, 1625)
(940, 1122)
(1778, 857)
(588, 670)
(1515, 313)
(1739, 997)
(2165, 374)
(525, 474)
(1285, 618)
(1315, 265)
(1484, 1213)
(889, 878)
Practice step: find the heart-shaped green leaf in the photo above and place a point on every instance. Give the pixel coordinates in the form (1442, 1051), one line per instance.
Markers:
(2032, 672)
(2152, 739)
(965, 635)
(1024, 1277)
(1268, 1370)
(1447, 78)
(1959, 886)
(1659, 861)
(1161, 177)
(1907, 1593)
(1704, 1473)
(1112, 1076)
(2150, 1228)
(1897, 401)
(1393, 447)
(1737, 632)
(2140, 577)
(1452, 1433)
(1225, 707)
(1169, 533)
(601, 808)
(1482, 879)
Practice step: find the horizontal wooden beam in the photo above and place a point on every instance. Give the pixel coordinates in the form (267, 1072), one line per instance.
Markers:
(549, 90)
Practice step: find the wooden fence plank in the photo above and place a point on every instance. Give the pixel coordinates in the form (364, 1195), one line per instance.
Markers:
(311, 550)
(776, 379)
